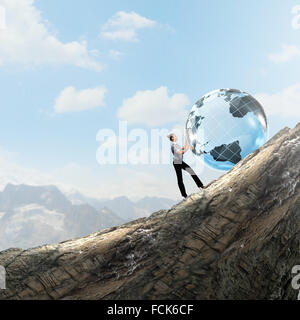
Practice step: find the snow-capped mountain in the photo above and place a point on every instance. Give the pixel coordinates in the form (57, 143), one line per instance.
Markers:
(35, 215)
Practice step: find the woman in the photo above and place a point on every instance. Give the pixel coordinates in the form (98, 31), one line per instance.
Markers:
(180, 165)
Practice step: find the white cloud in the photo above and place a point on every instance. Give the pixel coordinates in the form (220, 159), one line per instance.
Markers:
(154, 107)
(124, 25)
(296, 18)
(12, 172)
(27, 40)
(71, 100)
(115, 54)
(285, 103)
(288, 52)
(69, 178)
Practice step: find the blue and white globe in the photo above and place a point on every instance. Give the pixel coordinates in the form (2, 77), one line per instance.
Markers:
(226, 125)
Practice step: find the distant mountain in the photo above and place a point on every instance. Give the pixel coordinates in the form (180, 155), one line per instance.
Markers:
(35, 215)
(124, 207)
(152, 204)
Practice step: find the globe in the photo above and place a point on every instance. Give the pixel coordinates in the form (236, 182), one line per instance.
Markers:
(224, 126)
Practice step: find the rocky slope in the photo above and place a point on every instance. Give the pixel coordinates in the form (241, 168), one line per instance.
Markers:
(239, 239)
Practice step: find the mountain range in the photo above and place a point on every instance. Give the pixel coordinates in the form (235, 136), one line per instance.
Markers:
(125, 208)
(35, 215)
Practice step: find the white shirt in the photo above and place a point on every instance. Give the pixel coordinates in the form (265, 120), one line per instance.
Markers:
(177, 157)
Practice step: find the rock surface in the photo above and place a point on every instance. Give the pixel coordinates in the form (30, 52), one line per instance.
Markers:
(237, 239)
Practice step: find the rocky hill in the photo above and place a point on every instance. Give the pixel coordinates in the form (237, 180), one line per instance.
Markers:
(238, 239)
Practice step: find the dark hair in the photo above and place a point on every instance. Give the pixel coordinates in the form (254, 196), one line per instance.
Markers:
(171, 137)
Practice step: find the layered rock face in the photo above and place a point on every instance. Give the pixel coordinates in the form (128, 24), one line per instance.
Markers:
(237, 239)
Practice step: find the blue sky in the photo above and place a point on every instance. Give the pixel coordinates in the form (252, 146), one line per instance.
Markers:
(189, 47)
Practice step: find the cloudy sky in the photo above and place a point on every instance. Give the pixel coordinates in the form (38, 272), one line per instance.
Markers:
(71, 68)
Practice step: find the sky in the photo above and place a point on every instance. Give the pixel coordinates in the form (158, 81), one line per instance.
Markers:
(69, 68)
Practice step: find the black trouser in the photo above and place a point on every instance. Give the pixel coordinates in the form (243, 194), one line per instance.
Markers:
(183, 166)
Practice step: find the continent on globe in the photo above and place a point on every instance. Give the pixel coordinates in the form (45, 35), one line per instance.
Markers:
(239, 107)
(197, 123)
(243, 103)
(227, 152)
